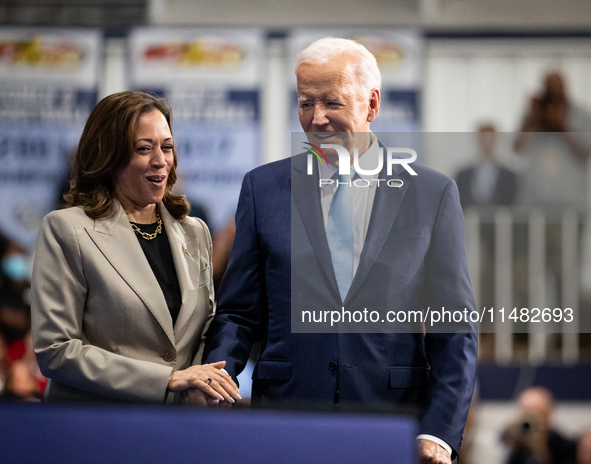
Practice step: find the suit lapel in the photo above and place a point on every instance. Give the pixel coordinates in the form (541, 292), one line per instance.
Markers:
(118, 243)
(305, 194)
(385, 208)
(185, 254)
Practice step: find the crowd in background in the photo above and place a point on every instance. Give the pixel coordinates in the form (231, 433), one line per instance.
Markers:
(554, 142)
(19, 375)
(554, 145)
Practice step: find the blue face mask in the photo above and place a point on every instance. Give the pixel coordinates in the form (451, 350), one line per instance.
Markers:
(16, 267)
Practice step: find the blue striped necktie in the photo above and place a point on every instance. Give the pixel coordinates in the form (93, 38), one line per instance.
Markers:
(339, 232)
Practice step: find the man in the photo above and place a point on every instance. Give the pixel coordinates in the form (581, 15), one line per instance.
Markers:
(408, 255)
(487, 183)
(531, 438)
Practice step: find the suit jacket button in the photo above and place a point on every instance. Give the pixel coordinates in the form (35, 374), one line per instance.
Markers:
(168, 356)
(332, 366)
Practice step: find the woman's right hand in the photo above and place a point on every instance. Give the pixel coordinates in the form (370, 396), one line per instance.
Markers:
(221, 386)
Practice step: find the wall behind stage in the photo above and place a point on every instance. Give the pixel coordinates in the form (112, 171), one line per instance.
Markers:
(463, 81)
(480, 79)
(48, 86)
(212, 79)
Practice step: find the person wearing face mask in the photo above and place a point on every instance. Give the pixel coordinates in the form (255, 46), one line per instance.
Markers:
(15, 268)
(122, 286)
(19, 372)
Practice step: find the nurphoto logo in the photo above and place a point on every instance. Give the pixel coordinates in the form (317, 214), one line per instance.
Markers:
(345, 161)
(316, 151)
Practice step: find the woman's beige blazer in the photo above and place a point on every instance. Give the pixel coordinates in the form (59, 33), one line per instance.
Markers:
(101, 326)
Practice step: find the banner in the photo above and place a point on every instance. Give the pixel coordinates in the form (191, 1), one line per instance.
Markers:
(399, 54)
(212, 79)
(48, 86)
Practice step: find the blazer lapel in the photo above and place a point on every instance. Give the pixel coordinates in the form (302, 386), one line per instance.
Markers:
(306, 197)
(385, 208)
(118, 243)
(185, 254)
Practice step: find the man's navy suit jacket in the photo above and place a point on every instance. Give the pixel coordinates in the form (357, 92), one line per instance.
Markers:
(413, 258)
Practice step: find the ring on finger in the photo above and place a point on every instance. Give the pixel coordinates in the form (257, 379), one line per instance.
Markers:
(209, 379)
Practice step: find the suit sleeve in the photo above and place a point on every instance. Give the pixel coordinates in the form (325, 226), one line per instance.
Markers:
(239, 314)
(59, 292)
(452, 356)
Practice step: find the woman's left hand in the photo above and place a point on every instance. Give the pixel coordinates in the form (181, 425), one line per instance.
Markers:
(209, 378)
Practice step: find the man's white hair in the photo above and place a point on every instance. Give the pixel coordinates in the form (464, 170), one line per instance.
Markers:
(323, 50)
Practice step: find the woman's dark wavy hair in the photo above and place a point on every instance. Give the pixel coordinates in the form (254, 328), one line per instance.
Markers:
(106, 146)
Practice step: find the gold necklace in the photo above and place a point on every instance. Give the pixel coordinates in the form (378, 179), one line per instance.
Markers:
(146, 235)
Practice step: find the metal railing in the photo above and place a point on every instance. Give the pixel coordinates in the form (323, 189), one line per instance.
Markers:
(548, 284)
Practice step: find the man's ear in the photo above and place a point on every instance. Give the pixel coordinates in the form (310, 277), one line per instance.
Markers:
(374, 105)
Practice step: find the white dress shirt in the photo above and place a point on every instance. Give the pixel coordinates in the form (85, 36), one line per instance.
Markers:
(484, 181)
(362, 205)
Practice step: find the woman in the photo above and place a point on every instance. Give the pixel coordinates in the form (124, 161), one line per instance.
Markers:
(122, 285)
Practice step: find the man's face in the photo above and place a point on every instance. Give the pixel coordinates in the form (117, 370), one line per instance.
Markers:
(538, 404)
(332, 104)
(487, 139)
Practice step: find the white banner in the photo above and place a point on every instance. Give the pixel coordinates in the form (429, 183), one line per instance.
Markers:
(399, 54)
(212, 79)
(48, 86)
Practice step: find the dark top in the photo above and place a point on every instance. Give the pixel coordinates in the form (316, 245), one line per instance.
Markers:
(562, 451)
(504, 193)
(159, 256)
